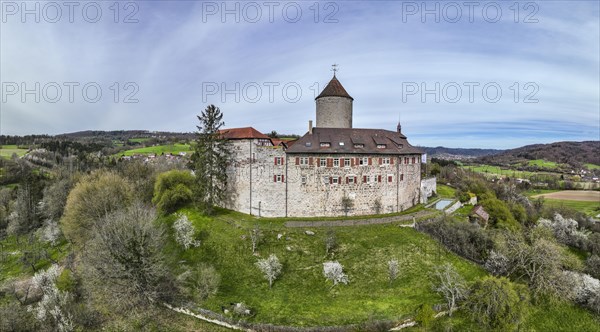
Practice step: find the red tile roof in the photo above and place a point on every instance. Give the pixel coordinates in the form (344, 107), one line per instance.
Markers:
(334, 89)
(242, 133)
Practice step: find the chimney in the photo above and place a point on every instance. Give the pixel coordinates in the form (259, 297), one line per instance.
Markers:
(310, 127)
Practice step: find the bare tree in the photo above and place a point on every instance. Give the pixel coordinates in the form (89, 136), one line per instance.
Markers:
(270, 267)
(255, 237)
(393, 270)
(334, 271)
(450, 285)
(127, 251)
(330, 241)
(347, 204)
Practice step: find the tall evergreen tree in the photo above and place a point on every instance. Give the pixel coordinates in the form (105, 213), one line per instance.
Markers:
(210, 158)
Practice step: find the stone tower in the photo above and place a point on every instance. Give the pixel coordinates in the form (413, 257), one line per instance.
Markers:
(334, 106)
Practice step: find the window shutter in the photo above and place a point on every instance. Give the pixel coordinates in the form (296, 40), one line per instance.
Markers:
(401, 177)
(329, 162)
(378, 178)
(355, 180)
(282, 178)
(275, 160)
(340, 180)
(380, 161)
(341, 162)
(282, 160)
(352, 162)
(347, 180)
(392, 160)
(390, 178)
(370, 161)
(357, 161)
(364, 178)
(297, 161)
(330, 180)
(274, 178)
(310, 161)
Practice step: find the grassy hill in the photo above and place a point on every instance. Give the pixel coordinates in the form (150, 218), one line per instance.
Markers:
(302, 296)
(6, 151)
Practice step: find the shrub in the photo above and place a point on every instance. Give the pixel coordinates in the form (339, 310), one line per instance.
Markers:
(203, 280)
(592, 266)
(425, 315)
(270, 267)
(496, 303)
(334, 271)
(173, 190)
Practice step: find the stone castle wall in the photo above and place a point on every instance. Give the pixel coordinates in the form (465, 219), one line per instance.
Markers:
(260, 185)
(428, 188)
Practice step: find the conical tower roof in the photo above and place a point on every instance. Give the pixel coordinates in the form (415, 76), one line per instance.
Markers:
(334, 89)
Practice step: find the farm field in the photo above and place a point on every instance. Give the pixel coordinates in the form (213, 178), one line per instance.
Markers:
(543, 163)
(586, 201)
(159, 149)
(496, 170)
(592, 166)
(6, 151)
(573, 195)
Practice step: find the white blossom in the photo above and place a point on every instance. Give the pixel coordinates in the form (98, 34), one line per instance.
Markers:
(50, 232)
(270, 267)
(565, 230)
(334, 271)
(497, 263)
(51, 307)
(185, 232)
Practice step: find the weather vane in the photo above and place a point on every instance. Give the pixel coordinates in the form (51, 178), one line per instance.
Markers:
(334, 68)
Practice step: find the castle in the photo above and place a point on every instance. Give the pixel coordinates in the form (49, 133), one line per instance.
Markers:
(333, 170)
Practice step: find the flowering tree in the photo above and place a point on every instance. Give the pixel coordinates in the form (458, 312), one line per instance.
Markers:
(270, 267)
(50, 232)
(51, 308)
(185, 232)
(564, 229)
(334, 271)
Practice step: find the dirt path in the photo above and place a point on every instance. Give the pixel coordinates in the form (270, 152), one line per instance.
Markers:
(361, 222)
(573, 195)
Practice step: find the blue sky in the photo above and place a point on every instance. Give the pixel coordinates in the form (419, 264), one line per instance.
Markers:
(170, 55)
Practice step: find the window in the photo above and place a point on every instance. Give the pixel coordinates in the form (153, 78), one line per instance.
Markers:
(336, 162)
(341, 143)
(278, 160)
(350, 179)
(401, 177)
(413, 160)
(335, 180)
(381, 146)
(347, 162)
(325, 144)
(304, 161)
(363, 161)
(278, 178)
(359, 145)
(405, 160)
(303, 179)
(323, 162)
(308, 144)
(385, 161)
(325, 180)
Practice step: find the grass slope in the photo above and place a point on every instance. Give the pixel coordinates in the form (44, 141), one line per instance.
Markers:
(159, 149)
(302, 296)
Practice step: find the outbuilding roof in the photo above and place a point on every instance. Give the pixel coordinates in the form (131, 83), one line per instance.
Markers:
(242, 133)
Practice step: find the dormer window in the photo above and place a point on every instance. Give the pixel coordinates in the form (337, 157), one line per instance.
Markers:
(308, 144)
(341, 143)
(325, 144)
(359, 145)
(381, 146)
